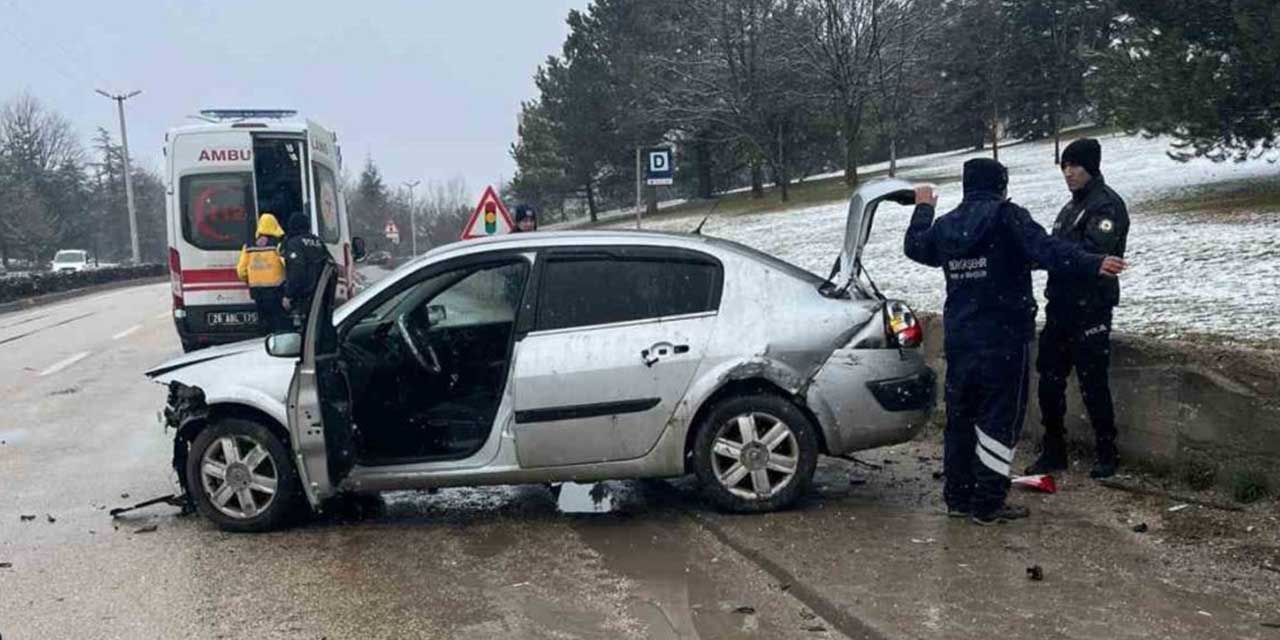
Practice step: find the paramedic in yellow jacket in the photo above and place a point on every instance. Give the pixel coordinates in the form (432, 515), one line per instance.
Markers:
(262, 267)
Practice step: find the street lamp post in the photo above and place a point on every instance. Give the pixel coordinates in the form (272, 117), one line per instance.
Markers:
(413, 218)
(128, 178)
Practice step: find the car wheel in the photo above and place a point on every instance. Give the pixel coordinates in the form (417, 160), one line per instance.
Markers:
(242, 478)
(755, 453)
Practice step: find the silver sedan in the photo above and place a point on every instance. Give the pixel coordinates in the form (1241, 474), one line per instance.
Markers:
(552, 357)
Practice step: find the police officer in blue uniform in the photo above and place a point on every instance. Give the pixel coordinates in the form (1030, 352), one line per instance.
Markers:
(987, 248)
(1077, 331)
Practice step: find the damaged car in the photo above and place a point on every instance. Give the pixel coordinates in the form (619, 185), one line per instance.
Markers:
(554, 357)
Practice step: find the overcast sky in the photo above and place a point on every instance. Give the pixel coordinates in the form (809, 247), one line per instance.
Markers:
(431, 89)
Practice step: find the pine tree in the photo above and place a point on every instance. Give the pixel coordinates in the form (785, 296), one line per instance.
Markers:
(1206, 72)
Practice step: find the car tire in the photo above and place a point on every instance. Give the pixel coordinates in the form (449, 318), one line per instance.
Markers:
(787, 457)
(244, 499)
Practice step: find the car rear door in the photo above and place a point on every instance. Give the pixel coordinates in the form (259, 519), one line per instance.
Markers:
(618, 336)
(320, 400)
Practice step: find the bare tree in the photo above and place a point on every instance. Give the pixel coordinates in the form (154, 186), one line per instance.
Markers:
(740, 77)
(41, 175)
(35, 139)
(846, 37)
(896, 68)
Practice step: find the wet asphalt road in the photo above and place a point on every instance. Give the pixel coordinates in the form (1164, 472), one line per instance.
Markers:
(874, 559)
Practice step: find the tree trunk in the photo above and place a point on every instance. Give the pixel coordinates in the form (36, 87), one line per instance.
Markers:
(4, 253)
(702, 156)
(591, 202)
(995, 133)
(757, 180)
(852, 145)
(1057, 140)
(893, 157)
(651, 200)
(781, 176)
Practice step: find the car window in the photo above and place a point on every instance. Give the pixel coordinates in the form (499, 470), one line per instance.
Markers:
(326, 204)
(467, 296)
(579, 292)
(216, 210)
(69, 256)
(486, 296)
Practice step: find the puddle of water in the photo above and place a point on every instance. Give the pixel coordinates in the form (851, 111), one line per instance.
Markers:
(13, 437)
(596, 497)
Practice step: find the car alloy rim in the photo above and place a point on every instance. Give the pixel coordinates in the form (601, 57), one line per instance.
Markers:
(755, 455)
(239, 476)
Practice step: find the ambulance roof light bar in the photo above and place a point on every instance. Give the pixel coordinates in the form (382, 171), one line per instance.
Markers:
(245, 114)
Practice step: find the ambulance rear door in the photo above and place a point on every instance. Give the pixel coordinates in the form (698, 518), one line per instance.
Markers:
(212, 215)
(326, 206)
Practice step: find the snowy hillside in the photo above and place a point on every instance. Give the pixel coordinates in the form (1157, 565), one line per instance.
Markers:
(1191, 270)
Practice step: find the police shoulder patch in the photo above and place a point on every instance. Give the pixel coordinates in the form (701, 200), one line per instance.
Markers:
(1106, 225)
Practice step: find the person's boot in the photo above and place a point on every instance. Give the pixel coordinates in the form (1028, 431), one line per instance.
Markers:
(1106, 463)
(1002, 515)
(1053, 458)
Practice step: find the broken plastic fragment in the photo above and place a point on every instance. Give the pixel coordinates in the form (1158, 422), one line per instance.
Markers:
(1042, 483)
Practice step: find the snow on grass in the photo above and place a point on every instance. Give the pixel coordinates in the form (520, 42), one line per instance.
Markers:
(1193, 269)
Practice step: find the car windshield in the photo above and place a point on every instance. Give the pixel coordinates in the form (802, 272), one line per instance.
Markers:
(69, 256)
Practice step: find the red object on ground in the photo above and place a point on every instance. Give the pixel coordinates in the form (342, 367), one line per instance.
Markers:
(1042, 483)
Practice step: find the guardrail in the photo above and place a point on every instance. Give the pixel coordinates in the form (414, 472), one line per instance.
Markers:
(30, 285)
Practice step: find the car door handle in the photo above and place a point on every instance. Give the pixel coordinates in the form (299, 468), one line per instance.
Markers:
(653, 354)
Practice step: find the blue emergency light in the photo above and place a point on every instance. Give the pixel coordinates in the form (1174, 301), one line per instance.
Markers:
(244, 114)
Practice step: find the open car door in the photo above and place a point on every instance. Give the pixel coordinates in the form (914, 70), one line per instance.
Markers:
(862, 212)
(320, 399)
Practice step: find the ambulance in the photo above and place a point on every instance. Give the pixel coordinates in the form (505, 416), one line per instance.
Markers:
(223, 174)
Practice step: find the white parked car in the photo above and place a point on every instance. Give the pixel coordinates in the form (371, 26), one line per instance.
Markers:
(71, 261)
(548, 357)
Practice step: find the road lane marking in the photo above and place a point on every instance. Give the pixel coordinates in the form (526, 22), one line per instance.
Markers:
(127, 332)
(63, 364)
(38, 330)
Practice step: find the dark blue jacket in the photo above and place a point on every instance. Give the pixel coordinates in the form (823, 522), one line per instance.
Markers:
(987, 248)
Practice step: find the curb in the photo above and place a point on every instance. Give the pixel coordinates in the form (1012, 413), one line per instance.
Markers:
(50, 298)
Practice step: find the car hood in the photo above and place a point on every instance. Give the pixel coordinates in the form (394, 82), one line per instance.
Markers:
(211, 354)
(862, 211)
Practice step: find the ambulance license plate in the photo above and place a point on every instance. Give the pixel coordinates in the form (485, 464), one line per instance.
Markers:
(231, 318)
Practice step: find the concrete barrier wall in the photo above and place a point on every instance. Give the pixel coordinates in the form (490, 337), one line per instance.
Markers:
(1179, 405)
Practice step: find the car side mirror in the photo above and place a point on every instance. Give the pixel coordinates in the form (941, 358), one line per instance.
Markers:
(284, 345)
(358, 250)
(436, 314)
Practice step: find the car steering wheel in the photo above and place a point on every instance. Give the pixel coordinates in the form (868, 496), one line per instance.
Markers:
(426, 356)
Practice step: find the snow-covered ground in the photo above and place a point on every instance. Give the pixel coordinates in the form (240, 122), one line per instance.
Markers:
(1190, 272)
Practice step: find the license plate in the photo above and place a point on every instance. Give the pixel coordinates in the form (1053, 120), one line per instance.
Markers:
(231, 318)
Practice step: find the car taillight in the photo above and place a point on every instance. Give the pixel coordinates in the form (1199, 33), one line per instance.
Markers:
(901, 326)
(175, 278)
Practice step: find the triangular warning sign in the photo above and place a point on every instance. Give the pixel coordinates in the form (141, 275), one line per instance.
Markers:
(490, 218)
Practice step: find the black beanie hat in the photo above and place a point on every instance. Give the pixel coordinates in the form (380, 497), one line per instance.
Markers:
(985, 174)
(298, 223)
(1085, 153)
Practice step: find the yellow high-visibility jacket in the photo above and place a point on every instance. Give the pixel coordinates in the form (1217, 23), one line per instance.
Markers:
(261, 266)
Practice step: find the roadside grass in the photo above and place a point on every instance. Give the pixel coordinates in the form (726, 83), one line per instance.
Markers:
(809, 193)
(1231, 198)
(816, 191)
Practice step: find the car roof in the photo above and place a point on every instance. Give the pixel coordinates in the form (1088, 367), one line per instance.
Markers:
(251, 125)
(544, 239)
(538, 239)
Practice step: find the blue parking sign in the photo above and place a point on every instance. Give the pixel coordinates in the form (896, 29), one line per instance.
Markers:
(659, 166)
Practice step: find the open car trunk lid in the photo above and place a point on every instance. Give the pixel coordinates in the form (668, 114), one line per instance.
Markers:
(862, 210)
